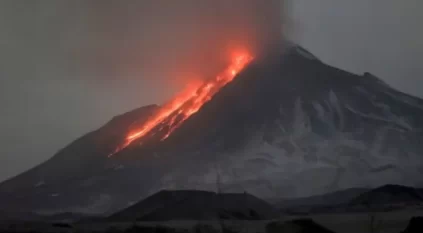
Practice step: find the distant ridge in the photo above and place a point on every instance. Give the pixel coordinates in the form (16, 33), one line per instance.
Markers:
(333, 198)
(389, 194)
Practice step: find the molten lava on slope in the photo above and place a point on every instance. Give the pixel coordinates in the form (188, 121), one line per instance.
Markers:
(172, 114)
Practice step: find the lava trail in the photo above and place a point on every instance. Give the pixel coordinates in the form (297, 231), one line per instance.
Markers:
(172, 114)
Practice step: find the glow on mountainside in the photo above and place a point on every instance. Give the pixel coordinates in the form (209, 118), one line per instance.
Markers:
(172, 114)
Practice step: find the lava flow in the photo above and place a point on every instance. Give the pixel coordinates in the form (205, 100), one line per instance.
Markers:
(171, 115)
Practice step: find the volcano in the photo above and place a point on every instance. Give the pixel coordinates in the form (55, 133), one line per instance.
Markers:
(288, 125)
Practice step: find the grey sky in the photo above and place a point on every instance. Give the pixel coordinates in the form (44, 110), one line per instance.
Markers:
(384, 37)
(66, 69)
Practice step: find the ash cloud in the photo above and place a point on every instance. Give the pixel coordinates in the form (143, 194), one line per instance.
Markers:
(176, 40)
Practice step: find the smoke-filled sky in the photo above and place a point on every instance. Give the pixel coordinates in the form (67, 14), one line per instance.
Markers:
(67, 67)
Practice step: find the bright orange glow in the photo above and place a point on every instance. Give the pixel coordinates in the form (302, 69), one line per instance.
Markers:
(187, 103)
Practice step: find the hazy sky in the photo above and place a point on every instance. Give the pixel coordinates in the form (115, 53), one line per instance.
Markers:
(67, 67)
(383, 37)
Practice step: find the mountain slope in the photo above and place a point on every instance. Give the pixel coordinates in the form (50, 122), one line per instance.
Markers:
(76, 176)
(287, 126)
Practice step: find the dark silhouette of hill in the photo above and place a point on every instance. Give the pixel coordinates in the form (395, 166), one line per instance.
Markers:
(296, 226)
(196, 205)
(386, 197)
(415, 225)
(389, 195)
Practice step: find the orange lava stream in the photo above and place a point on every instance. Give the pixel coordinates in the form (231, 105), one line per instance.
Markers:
(188, 102)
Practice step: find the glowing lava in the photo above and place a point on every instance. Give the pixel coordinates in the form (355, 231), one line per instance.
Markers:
(171, 115)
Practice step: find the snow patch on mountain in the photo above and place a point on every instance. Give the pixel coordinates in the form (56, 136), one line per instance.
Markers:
(302, 161)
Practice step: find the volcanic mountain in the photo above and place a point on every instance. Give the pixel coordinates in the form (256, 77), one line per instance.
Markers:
(287, 125)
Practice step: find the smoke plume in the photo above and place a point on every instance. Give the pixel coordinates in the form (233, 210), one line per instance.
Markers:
(177, 40)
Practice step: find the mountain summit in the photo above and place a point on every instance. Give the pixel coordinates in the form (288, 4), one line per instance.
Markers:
(287, 126)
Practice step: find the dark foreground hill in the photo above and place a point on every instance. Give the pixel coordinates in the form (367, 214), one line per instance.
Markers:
(287, 126)
(389, 195)
(383, 198)
(196, 205)
(296, 226)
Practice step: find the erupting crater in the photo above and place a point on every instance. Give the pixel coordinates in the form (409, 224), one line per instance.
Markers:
(172, 114)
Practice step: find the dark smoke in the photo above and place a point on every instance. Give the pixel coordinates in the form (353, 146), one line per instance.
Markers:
(174, 39)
